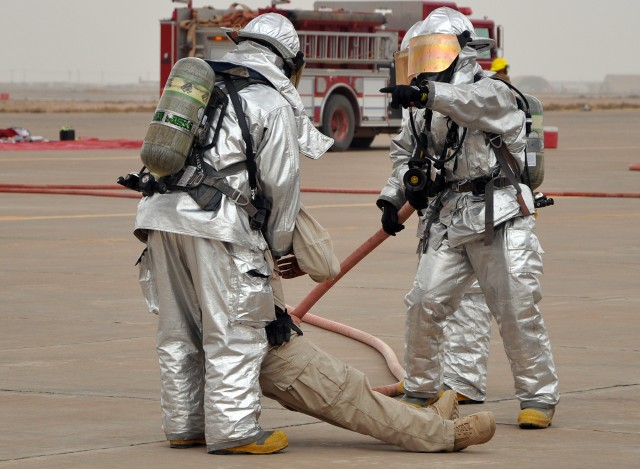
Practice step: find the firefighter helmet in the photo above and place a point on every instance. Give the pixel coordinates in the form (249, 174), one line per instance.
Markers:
(499, 64)
(276, 32)
(440, 39)
(401, 57)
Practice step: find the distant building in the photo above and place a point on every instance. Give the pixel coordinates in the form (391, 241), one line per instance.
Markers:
(621, 84)
(577, 87)
(532, 84)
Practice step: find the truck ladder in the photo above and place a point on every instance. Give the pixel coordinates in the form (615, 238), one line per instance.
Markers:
(341, 48)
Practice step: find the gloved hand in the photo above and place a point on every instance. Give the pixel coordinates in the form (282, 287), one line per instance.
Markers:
(289, 268)
(406, 95)
(389, 220)
(279, 330)
(417, 199)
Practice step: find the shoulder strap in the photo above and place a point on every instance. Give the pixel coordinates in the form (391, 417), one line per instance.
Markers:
(242, 121)
(509, 167)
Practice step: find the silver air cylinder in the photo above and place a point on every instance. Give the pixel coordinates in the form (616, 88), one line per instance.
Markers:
(535, 143)
(177, 117)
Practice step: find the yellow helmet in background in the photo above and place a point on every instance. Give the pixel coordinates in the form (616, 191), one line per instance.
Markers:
(499, 64)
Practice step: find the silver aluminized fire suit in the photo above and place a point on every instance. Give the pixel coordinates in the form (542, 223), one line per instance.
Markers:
(467, 335)
(507, 270)
(211, 270)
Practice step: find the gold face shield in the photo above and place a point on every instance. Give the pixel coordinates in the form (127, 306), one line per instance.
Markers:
(432, 53)
(295, 78)
(401, 63)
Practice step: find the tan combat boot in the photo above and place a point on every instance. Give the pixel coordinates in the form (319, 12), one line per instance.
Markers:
(446, 406)
(475, 429)
(418, 402)
(462, 399)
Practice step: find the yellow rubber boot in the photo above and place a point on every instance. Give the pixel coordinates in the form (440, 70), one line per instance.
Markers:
(418, 402)
(270, 442)
(535, 418)
(181, 444)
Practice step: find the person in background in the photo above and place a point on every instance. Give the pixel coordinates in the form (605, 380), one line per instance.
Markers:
(501, 67)
(477, 219)
(467, 331)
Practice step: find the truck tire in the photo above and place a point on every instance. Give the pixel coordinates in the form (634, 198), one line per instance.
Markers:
(338, 122)
(362, 142)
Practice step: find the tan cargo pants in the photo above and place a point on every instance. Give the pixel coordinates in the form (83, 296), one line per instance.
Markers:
(304, 378)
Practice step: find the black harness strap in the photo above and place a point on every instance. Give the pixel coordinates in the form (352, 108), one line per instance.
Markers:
(509, 167)
(246, 135)
(424, 243)
(203, 174)
(216, 179)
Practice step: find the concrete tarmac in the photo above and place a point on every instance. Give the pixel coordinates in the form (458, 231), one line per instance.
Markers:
(79, 381)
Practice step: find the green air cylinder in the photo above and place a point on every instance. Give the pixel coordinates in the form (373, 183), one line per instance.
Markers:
(535, 143)
(177, 116)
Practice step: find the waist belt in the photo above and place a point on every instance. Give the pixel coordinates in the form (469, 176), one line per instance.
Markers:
(207, 186)
(478, 185)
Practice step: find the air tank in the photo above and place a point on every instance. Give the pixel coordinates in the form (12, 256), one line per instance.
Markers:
(177, 116)
(535, 143)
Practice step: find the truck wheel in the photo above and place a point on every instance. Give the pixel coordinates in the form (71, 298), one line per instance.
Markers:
(338, 122)
(362, 142)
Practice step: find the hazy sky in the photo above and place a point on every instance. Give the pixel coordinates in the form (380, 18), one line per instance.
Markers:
(117, 41)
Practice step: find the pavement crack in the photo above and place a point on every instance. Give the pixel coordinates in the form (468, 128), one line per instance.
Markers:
(577, 391)
(88, 450)
(75, 344)
(77, 394)
(585, 347)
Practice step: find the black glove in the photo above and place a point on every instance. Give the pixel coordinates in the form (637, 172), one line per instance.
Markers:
(279, 330)
(406, 96)
(390, 223)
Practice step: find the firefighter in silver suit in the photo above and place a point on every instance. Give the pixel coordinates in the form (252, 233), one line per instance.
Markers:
(212, 269)
(467, 348)
(479, 220)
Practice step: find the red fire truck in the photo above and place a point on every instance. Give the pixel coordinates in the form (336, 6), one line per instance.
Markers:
(348, 53)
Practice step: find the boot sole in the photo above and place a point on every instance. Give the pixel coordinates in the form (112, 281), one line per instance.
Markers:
(533, 422)
(539, 425)
(185, 445)
(262, 449)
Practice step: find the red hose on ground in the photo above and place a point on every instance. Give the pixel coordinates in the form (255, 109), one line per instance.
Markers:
(619, 195)
(98, 193)
(6, 187)
(63, 186)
